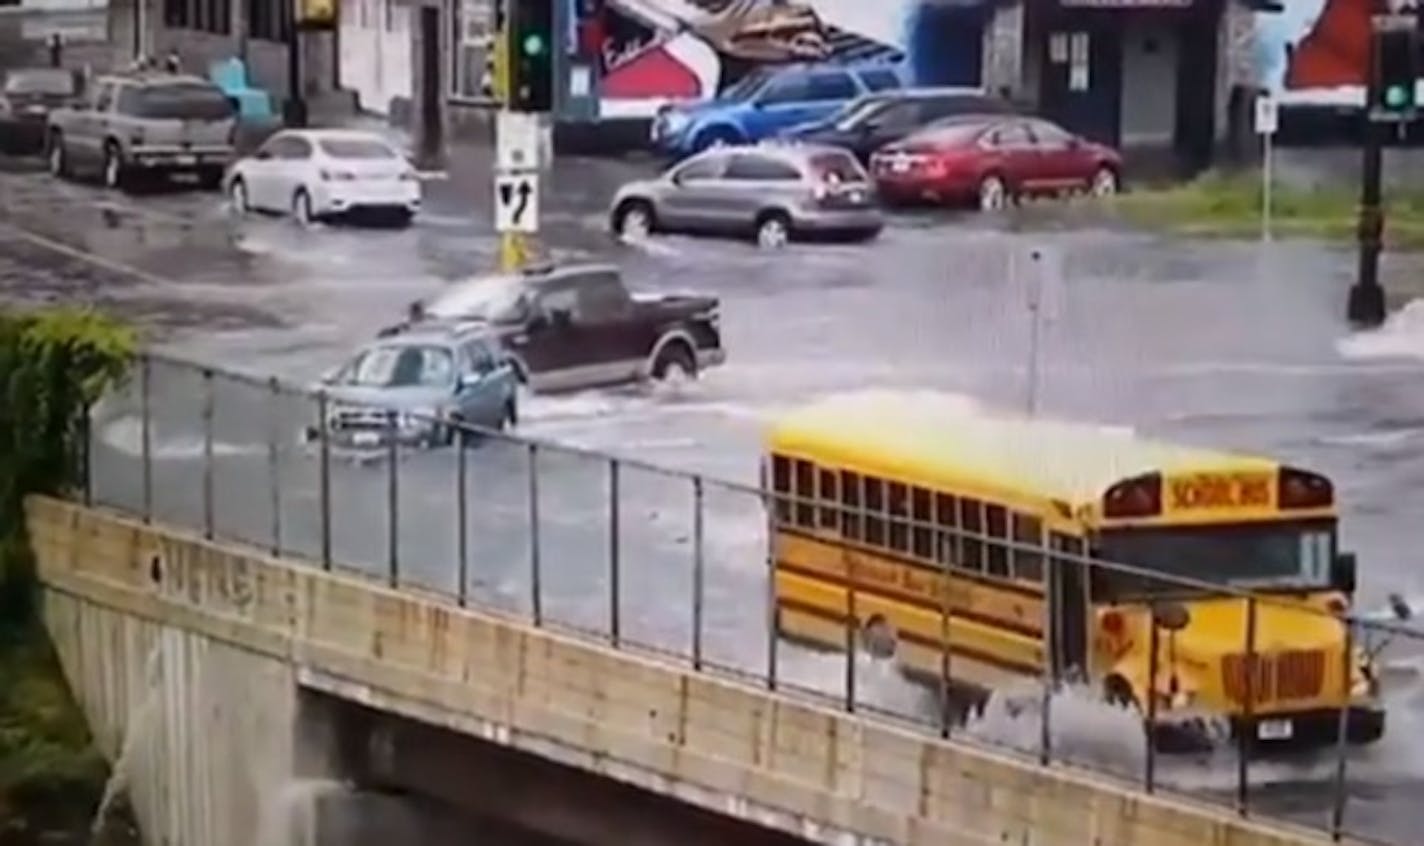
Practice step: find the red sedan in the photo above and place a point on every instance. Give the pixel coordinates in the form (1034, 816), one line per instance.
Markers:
(993, 159)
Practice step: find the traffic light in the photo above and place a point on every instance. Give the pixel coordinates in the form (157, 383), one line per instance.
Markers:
(531, 55)
(1396, 70)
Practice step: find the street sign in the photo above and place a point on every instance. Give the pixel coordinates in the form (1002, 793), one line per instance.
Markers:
(1267, 115)
(517, 136)
(516, 202)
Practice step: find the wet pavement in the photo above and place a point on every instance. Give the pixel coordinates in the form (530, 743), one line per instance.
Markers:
(1228, 344)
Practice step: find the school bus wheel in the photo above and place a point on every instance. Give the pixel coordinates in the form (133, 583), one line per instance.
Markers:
(877, 637)
(1117, 691)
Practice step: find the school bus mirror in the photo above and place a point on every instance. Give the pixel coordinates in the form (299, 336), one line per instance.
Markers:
(1342, 573)
(1171, 616)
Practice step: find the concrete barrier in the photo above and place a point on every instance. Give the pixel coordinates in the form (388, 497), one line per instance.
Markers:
(825, 775)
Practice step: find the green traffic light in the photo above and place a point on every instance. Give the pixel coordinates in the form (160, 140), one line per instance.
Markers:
(533, 45)
(1395, 96)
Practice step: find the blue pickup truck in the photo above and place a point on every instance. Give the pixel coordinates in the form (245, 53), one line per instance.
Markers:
(765, 102)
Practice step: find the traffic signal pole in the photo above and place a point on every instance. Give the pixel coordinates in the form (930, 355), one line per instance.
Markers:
(522, 82)
(1390, 101)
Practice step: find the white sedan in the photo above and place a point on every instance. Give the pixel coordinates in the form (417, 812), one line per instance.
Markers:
(313, 174)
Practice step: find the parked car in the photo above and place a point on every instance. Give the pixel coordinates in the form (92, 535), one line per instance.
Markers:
(995, 160)
(27, 95)
(773, 192)
(578, 326)
(130, 125)
(870, 122)
(767, 101)
(319, 174)
(416, 385)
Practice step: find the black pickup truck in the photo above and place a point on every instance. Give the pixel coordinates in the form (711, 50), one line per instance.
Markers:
(578, 326)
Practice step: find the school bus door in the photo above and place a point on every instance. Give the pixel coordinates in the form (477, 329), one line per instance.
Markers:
(1067, 607)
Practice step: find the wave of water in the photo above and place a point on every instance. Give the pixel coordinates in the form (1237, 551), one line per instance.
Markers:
(125, 435)
(1401, 336)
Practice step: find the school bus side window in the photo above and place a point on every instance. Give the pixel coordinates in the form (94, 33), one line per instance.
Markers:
(1028, 531)
(996, 526)
(971, 524)
(921, 533)
(781, 487)
(805, 494)
(899, 507)
(850, 498)
(874, 512)
(947, 519)
(830, 500)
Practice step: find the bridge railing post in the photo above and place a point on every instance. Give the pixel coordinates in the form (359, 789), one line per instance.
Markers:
(86, 455)
(772, 609)
(208, 468)
(462, 514)
(615, 623)
(392, 500)
(1254, 674)
(1347, 684)
(1154, 659)
(536, 587)
(145, 376)
(699, 566)
(323, 412)
(274, 460)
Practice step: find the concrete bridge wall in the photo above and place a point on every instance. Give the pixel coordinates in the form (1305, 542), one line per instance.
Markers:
(239, 632)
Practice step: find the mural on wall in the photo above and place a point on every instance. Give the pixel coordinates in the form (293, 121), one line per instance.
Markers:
(649, 52)
(1315, 50)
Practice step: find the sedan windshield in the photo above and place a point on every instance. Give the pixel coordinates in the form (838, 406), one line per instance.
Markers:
(403, 367)
(51, 82)
(1257, 555)
(859, 112)
(745, 87)
(496, 299)
(355, 148)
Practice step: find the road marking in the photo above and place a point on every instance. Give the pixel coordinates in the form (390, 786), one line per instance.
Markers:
(87, 257)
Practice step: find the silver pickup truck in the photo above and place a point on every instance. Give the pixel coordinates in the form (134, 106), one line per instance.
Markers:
(144, 124)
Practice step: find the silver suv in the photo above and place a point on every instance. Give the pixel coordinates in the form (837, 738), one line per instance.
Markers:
(155, 123)
(771, 191)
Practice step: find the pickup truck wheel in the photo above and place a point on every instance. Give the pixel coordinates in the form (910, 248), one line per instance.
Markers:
(58, 160)
(115, 174)
(634, 220)
(773, 230)
(675, 362)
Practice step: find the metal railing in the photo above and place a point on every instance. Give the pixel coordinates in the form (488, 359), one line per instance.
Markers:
(656, 560)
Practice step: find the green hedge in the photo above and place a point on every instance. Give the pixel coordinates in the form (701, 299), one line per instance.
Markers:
(54, 364)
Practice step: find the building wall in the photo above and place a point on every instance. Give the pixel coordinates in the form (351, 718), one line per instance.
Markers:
(1149, 84)
(825, 775)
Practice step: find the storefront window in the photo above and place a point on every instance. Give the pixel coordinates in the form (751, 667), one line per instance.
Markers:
(472, 25)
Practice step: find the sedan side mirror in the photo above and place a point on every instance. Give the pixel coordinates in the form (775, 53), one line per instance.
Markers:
(1342, 573)
(262, 155)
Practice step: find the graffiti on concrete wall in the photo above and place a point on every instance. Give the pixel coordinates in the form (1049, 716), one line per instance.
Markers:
(649, 52)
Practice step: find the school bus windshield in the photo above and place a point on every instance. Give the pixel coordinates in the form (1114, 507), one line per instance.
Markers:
(1262, 555)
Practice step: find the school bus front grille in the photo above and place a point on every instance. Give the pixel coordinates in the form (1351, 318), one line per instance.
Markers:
(1293, 674)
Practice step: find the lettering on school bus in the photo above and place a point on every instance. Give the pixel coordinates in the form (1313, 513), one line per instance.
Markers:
(1220, 490)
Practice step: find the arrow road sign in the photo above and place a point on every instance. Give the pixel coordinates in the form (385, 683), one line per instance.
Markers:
(516, 202)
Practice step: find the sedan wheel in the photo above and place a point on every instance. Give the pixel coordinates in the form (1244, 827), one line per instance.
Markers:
(302, 208)
(636, 223)
(237, 197)
(773, 232)
(113, 167)
(993, 194)
(58, 164)
(1104, 183)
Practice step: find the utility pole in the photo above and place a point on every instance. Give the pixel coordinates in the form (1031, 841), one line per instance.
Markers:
(522, 79)
(307, 16)
(1391, 100)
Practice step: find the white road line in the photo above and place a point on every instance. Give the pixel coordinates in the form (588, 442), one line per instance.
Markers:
(84, 256)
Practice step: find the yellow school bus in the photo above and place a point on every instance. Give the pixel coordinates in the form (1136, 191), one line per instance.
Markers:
(902, 525)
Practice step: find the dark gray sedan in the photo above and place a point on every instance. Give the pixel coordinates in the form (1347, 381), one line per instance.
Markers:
(772, 192)
(26, 97)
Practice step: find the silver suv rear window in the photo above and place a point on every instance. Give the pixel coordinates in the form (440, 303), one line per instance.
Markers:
(177, 102)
